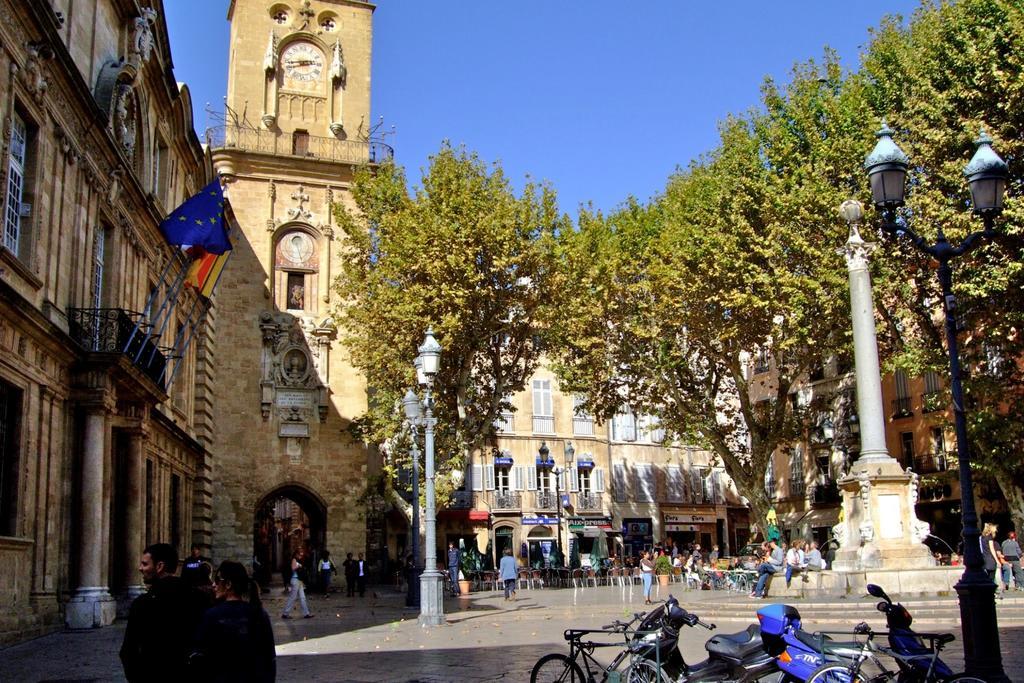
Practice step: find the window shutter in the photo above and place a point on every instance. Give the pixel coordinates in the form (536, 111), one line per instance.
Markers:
(619, 482)
(489, 477)
(476, 479)
(574, 479)
(598, 478)
(696, 489)
(561, 481)
(517, 478)
(531, 478)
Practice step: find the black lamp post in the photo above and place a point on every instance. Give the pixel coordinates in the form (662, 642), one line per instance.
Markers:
(544, 452)
(986, 173)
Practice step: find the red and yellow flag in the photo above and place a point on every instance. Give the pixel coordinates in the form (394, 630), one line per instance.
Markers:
(205, 271)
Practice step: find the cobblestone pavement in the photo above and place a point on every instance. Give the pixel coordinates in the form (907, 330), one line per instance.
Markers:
(485, 639)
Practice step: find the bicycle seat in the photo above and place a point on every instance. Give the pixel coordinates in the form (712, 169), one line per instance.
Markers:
(736, 645)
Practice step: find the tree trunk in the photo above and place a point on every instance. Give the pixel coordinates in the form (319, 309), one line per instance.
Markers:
(1014, 495)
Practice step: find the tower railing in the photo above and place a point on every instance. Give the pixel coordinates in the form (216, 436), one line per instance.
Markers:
(259, 140)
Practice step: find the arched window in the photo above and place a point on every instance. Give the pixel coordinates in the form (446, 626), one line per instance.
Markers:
(296, 267)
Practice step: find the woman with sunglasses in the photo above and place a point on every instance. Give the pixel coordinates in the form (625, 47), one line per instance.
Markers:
(234, 641)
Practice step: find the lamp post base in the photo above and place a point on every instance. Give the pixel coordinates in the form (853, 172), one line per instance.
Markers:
(982, 657)
(431, 598)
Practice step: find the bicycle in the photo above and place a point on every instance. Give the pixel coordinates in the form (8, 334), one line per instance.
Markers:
(560, 668)
(910, 664)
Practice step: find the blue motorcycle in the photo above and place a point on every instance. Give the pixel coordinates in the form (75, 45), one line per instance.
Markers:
(817, 658)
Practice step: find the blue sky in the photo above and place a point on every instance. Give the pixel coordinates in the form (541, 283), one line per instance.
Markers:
(602, 99)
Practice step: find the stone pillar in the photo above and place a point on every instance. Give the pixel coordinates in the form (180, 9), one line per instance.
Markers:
(92, 605)
(134, 494)
(880, 529)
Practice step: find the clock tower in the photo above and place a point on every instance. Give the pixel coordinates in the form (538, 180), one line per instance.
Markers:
(285, 471)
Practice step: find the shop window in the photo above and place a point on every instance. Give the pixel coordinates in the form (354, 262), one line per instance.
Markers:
(10, 414)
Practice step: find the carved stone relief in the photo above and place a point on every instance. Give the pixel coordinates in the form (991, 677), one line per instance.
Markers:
(294, 353)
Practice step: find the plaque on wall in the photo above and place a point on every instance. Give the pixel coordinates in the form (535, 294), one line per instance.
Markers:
(292, 399)
(294, 430)
(891, 521)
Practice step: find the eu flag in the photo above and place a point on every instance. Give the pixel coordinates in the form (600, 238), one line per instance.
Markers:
(199, 222)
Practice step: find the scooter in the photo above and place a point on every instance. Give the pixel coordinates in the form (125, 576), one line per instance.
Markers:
(917, 661)
(797, 652)
(735, 657)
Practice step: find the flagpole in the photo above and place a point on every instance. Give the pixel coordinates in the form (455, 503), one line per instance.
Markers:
(172, 295)
(181, 333)
(149, 302)
(188, 342)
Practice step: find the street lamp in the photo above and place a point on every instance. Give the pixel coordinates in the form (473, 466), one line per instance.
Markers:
(986, 174)
(418, 413)
(414, 415)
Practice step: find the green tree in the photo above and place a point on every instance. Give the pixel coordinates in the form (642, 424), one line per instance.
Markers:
(954, 68)
(737, 255)
(464, 254)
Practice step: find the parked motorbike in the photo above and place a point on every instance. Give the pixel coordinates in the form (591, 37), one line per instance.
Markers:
(735, 657)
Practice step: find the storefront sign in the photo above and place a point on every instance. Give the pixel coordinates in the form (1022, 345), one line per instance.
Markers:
(586, 523)
(539, 519)
(689, 519)
(545, 463)
(584, 464)
(498, 462)
(636, 527)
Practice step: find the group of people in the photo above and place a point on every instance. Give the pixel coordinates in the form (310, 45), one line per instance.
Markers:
(302, 576)
(1002, 560)
(799, 556)
(189, 627)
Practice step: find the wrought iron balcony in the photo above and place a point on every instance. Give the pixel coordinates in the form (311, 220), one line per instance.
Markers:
(461, 500)
(930, 463)
(825, 494)
(264, 141)
(546, 500)
(110, 330)
(505, 423)
(901, 407)
(506, 501)
(582, 426)
(589, 502)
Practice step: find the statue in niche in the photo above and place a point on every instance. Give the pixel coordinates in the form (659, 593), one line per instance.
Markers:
(124, 117)
(297, 297)
(141, 45)
(295, 366)
(338, 70)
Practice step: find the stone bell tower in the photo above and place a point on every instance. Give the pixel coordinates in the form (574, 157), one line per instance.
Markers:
(285, 471)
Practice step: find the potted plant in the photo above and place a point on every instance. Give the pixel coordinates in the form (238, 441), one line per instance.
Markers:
(465, 566)
(663, 568)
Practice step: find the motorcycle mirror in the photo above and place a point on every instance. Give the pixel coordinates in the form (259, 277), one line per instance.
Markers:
(882, 607)
(877, 592)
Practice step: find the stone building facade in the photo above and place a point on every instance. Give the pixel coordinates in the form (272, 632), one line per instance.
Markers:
(295, 130)
(100, 453)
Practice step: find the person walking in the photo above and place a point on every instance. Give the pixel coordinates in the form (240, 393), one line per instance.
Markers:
(507, 571)
(361, 576)
(298, 586)
(234, 641)
(326, 569)
(775, 560)
(351, 572)
(1012, 553)
(990, 550)
(454, 560)
(161, 622)
(647, 574)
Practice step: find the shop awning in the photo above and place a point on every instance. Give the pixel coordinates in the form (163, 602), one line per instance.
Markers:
(810, 519)
(479, 515)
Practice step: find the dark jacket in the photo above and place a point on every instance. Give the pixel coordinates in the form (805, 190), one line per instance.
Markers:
(351, 568)
(161, 626)
(234, 643)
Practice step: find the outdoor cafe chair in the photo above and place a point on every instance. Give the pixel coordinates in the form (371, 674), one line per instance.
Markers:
(590, 576)
(525, 578)
(576, 575)
(537, 577)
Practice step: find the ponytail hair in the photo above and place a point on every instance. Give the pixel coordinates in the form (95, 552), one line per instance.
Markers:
(238, 581)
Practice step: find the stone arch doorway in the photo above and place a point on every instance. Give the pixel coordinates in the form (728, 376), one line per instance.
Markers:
(287, 518)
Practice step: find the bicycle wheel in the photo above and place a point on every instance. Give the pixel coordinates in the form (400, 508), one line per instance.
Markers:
(962, 678)
(556, 668)
(835, 673)
(644, 671)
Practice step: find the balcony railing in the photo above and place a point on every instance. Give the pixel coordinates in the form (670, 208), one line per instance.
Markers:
(461, 500)
(507, 500)
(582, 426)
(589, 502)
(931, 462)
(825, 494)
(110, 330)
(546, 500)
(901, 407)
(248, 139)
(543, 424)
(505, 423)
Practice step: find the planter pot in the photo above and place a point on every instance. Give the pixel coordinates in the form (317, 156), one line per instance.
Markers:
(464, 587)
(663, 579)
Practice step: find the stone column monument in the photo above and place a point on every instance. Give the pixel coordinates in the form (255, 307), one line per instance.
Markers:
(880, 529)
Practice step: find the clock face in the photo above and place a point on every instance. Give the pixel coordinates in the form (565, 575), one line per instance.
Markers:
(302, 62)
(297, 247)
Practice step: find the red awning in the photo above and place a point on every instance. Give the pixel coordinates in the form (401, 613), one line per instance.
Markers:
(479, 515)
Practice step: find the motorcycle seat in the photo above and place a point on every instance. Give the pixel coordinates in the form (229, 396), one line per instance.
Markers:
(736, 645)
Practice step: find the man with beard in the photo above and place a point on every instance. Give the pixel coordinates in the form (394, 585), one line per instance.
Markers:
(161, 622)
